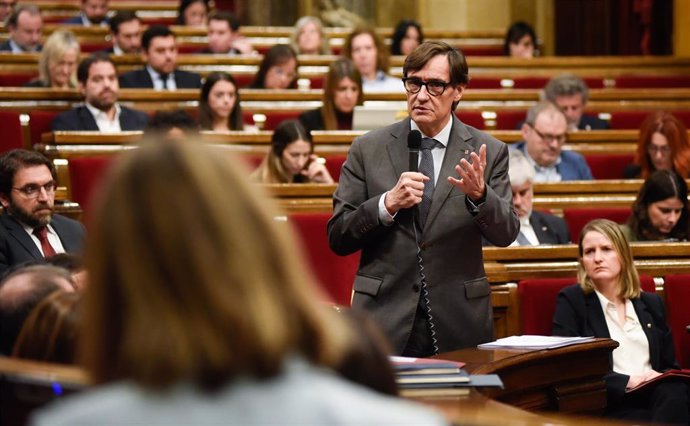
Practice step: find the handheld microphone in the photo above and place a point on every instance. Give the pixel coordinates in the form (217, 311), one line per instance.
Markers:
(414, 143)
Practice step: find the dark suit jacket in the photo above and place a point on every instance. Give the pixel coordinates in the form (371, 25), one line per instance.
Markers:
(77, 20)
(16, 246)
(580, 314)
(6, 47)
(80, 118)
(387, 284)
(550, 229)
(142, 79)
(589, 122)
(312, 119)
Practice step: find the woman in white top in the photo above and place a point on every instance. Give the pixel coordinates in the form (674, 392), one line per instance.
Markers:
(200, 310)
(608, 303)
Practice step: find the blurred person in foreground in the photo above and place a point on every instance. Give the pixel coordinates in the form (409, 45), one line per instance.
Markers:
(211, 335)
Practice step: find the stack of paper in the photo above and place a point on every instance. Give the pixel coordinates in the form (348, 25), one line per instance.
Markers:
(533, 342)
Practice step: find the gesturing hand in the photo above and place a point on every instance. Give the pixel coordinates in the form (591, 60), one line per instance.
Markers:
(471, 174)
(406, 193)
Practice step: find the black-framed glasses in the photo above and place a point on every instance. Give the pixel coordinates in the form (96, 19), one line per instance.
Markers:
(653, 149)
(33, 190)
(434, 87)
(547, 137)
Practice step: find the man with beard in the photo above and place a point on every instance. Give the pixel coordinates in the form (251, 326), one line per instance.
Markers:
(98, 83)
(93, 12)
(159, 51)
(29, 230)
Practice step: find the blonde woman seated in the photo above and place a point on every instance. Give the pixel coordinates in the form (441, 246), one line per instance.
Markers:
(201, 313)
(609, 303)
(308, 37)
(291, 158)
(57, 63)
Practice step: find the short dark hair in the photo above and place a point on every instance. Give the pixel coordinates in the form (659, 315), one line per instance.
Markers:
(14, 16)
(12, 161)
(120, 18)
(14, 312)
(228, 17)
(163, 121)
(85, 65)
(152, 32)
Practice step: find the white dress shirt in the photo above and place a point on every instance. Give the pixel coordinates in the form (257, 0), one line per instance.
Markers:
(528, 231)
(158, 81)
(104, 123)
(631, 357)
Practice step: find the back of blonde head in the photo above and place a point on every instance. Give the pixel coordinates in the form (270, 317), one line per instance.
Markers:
(192, 277)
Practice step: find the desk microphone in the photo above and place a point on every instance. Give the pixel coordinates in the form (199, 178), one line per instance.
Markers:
(414, 143)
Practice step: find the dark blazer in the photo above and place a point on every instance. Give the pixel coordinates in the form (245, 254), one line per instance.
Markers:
(80, 118)
(590, 122)
(6, 47)
(580, 314)
(312, 119)
(16, 246)
(142, 79)
(35, 83)
(550, 229)
(78, 20)
(387, 284)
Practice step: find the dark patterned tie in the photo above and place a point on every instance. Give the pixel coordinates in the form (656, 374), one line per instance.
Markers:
(426, 167)
(164, 79)
(42, 233)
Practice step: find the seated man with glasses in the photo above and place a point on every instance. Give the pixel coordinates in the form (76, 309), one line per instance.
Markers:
(29, 230)
(544, 133)
(421, 276)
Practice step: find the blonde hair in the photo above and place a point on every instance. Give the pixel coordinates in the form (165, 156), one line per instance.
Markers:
(629, 280)
(324, 48)
(59, 43)
(193, 279)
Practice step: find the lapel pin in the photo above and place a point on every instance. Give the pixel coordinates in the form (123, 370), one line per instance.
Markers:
(649, 325)
(544, 228)
(467, 152)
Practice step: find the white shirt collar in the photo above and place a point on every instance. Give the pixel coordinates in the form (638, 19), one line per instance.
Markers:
(117, 50)
(104, 123)
(443, 136)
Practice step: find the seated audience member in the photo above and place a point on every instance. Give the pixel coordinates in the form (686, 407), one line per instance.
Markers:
(342, 92)
(193, 13)
(25, 26)
(171, 126)
(49, 333)
(100, 112)
(609, 303)
(291, 158)
(366, 50)
(661, 210)
(21, 289)
(224, 36)
(535, 227)
(278, 69)
(308, 37)
(6, 9)
(406, 37)
(74, 265)
(159, 52)
(247, 343)
(93, 12)
(219, 105)
(29, 230)
(57, 63)
(520, 41)
(570, 93)
(125, 33)
(662, 145)
(544, 134)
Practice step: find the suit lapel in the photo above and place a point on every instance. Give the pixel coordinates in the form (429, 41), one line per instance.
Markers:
(86, 118)
(646, 322)
(540, 228)
(459, 146)
(595, 316)
(397, 148)
(17, 232)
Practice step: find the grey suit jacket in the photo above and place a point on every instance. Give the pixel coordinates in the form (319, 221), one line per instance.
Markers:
(387, 284)
(16, 246)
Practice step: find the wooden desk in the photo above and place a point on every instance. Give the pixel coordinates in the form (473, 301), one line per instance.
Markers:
(567, 380)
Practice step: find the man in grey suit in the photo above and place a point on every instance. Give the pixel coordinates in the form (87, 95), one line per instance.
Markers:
(28, 228)
(421, 274)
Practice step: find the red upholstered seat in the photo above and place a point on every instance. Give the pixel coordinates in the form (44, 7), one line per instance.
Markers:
(633, 119)
(334, 273)
(12, 136)
(472, 118)
(677, 291)
(608, 166)
(16, 79)
(94, 46)
(334, 163)
(39, 123)
(484, 83)
(509, 119)
(538, 301)
(652, 81)
(86, 174)
(577, 218)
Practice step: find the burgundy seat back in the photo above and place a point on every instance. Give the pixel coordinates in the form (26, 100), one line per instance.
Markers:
(577, 217)
(12, 136)
(608, 166)
(334, 273)
(677, 290)
(40, 122)
(538, 303)
(86, 175)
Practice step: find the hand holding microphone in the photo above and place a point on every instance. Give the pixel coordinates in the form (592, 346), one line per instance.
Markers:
(409, 189)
